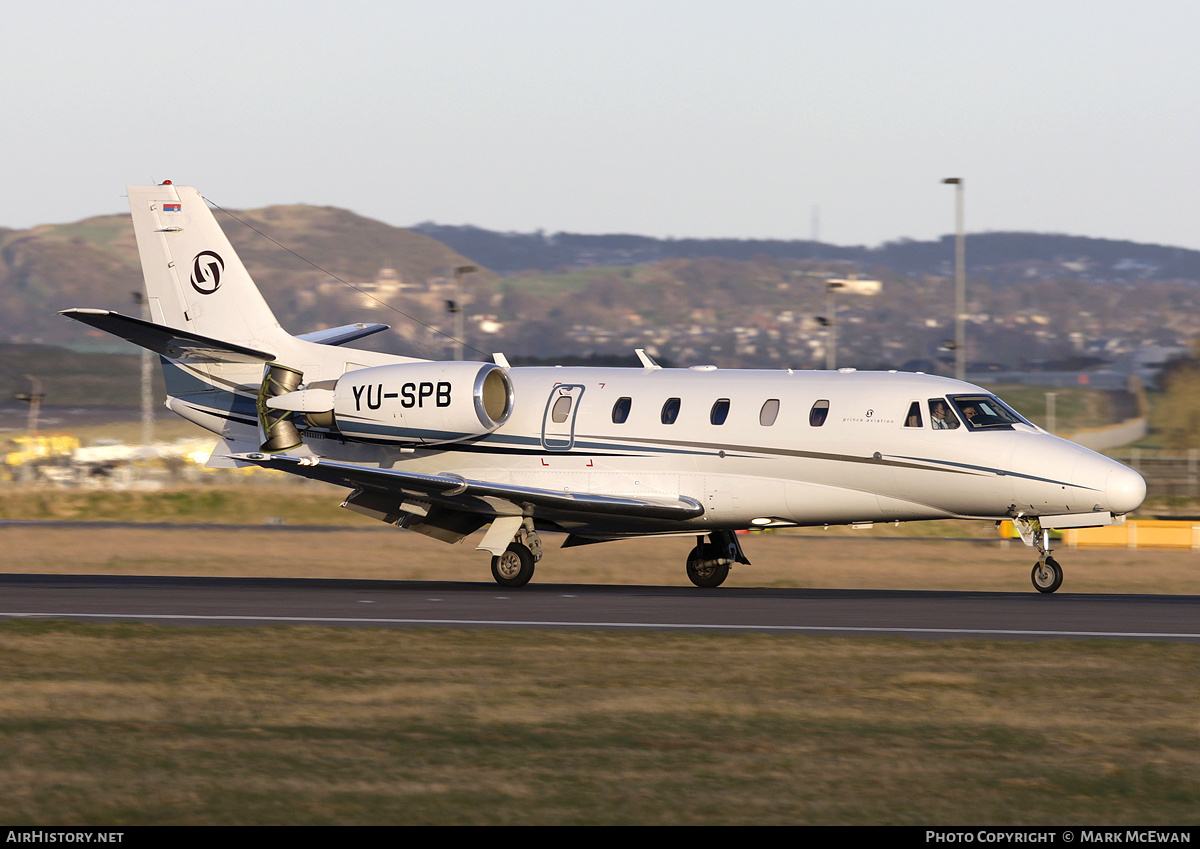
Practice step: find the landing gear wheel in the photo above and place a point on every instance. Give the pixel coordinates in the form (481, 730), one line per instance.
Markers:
(514, 567)
(1047, 575)
(702, 572)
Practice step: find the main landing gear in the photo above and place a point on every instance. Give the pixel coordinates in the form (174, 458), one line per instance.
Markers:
(709, 562)
(707, 566)
(1047, 575)
(514, 567)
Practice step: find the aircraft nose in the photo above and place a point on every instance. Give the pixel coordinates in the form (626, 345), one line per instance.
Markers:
(1126, 490)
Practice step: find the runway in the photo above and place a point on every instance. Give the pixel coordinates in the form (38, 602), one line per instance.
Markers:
(393, 604)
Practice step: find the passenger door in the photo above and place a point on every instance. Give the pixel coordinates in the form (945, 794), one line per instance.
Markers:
(558, 422)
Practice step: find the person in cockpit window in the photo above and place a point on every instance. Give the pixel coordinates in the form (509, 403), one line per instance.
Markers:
(941, 416)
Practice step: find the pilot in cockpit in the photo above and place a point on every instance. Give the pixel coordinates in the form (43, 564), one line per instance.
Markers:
(941, 416)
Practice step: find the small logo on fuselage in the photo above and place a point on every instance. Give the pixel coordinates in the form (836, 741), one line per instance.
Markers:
(207, 268)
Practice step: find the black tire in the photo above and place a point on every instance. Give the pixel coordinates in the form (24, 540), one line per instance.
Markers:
(703, 575)
(514, 567)
(1048, 578)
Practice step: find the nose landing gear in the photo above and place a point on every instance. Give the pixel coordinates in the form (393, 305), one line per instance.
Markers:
(1047, 574)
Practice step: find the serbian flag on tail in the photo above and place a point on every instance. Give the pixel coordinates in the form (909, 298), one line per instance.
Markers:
(172, 207)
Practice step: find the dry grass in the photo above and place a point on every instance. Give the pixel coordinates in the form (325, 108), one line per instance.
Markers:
(129, 724)
(126, 724)
(918, 555)
(778, 560)
(255, 500)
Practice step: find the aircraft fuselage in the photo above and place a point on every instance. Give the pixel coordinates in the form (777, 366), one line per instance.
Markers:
(779, 447)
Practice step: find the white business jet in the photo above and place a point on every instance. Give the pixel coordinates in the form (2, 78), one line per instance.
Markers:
(447, 448)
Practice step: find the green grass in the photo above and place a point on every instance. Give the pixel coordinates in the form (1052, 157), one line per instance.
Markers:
(74, 379)
(252, 503)
(132, 724)
(1076, 408)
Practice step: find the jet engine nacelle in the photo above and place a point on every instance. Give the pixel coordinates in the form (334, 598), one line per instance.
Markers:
(429, 403)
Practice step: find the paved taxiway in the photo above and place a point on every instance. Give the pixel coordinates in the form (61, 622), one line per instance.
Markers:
(260, 601)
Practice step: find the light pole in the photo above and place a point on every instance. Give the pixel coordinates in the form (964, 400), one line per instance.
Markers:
(960, 283)
(34, 400)
(831, 287)
(457, 308)
(147, 376)
(33, 449)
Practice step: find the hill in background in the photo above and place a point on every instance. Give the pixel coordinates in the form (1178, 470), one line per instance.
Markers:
(94, 263)
(1035, 301)
(508, 253)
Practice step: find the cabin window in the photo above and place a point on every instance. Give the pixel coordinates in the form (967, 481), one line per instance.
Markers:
(719, 412)
(670, 411)
(818, 413)
(561, 409)
(914, 415)
(621, 410)
(768, 413)
(940, 415)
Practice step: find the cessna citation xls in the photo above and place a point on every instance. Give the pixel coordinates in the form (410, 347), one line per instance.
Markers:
(446, 448)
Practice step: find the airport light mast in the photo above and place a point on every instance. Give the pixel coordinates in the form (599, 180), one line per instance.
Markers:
(960, 283)
(456, 307)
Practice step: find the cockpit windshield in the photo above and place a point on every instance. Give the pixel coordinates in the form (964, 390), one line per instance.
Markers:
(985, 412)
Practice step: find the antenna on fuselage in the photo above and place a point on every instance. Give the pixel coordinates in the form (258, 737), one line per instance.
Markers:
(647, 360)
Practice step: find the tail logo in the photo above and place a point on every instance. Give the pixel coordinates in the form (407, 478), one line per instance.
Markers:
(207, 268)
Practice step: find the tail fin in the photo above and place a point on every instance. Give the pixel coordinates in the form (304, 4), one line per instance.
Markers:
(194, 279)
(214, 331)
(197, 285)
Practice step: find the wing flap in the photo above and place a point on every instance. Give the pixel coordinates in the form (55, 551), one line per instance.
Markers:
(477, 496)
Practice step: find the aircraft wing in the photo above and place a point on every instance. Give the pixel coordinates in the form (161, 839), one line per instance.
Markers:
(168, 341)
(475, 496)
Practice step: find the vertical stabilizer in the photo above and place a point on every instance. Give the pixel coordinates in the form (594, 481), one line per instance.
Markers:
(194, 279)
(224, 355)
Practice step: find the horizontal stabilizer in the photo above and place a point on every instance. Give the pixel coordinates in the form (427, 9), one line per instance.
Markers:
(475, 496)
(168, 341)
(342, 335)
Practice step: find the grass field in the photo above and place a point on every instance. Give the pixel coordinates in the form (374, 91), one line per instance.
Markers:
(132, 724)
(1076, 407)
(137, 724)
(816, 559)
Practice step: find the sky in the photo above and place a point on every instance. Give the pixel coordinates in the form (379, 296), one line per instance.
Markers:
(750, 119)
